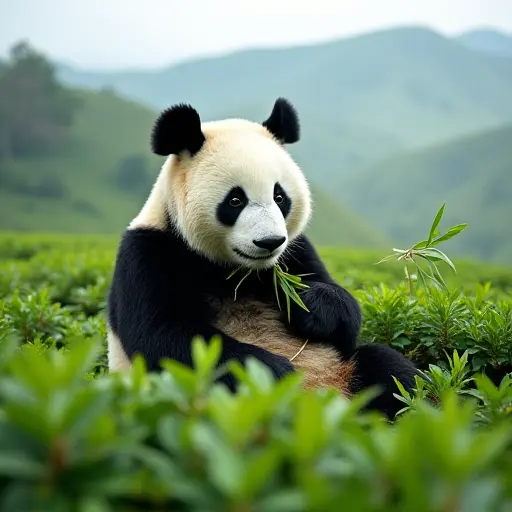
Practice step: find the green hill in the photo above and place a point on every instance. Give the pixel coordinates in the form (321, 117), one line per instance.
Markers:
(472, 174)
(80, 189)
(361, 98)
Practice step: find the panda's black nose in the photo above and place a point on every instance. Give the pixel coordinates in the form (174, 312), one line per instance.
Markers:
(271, 243)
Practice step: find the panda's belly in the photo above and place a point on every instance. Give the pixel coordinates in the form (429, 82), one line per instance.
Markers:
(259, 324)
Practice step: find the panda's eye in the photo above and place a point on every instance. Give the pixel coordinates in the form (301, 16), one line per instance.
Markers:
(279, 198)
(235, 202)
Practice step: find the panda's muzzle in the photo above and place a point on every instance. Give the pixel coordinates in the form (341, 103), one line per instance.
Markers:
(270, 243)
(240, 253)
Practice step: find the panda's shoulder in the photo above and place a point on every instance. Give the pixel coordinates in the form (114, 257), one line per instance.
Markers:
(162, 250)
(150, 242)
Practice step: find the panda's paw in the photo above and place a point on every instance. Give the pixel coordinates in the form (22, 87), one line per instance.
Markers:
(333, 316)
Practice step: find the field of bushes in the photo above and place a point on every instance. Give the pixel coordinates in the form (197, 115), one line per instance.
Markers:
(74, 438)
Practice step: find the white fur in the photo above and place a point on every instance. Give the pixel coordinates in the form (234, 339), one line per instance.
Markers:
(117, 359)
(236, 153)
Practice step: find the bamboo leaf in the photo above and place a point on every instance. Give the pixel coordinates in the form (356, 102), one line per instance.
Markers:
(428, 254)
(437, 219)
(288, 307)
(442, 256)
(437, 274)
(454, 230)
(275, 287)
(385, 259)
(420, 245)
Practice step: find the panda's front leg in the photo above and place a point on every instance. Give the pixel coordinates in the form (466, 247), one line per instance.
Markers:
(334, 316)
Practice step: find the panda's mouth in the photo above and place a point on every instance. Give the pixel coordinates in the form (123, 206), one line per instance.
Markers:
(240, 253)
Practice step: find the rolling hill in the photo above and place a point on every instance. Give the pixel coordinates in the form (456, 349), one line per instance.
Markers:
(488, 40)
(361, 99)
(473, 175)
(87, 196)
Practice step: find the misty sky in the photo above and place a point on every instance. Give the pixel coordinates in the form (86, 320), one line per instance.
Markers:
(134, 33)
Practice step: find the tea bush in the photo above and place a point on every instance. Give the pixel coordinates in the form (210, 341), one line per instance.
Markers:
(75, 438)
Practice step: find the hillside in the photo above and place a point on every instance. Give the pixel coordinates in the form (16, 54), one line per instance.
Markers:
(87, 194)
(488, 40)
(363, 98)
(472, 174)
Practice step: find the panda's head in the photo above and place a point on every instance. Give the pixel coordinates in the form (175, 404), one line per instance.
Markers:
(230, 187)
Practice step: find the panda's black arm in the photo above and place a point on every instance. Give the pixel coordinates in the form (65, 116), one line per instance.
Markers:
(155, 312)
(334, 314)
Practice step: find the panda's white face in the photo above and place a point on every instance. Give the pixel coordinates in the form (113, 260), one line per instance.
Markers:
(240, 200)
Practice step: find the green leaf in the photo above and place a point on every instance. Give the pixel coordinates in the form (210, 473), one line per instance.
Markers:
(442, 256)
(421, 277)
(437, 219)
(436, 274)
(420, 245)
(455, 230)
(401, 388)
(285, 500)
(185, 376)
(276, 288)
(259, 471)
(18, 465)
(386, 258)
(224, 464)
(309, 428)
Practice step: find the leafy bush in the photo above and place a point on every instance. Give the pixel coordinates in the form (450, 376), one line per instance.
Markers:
(73, 437)
(174, 441)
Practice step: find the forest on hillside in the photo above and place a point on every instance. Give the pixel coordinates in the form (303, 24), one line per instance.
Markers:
(36, 110)
(37, 114)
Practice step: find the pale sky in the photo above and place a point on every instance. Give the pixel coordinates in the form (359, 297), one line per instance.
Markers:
(148, 33)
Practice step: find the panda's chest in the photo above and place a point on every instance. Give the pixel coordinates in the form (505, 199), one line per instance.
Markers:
(258, 323)
(243, 315)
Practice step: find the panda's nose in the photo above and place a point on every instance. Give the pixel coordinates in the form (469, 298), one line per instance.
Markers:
(271, 243)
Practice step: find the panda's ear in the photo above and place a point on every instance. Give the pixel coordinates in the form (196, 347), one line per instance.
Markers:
(177, 129)
(283, 122)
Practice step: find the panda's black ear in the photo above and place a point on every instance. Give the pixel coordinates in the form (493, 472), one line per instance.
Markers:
(283, 122)
(177, 129)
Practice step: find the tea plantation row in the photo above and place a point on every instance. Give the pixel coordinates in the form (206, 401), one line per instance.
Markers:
(73, 437)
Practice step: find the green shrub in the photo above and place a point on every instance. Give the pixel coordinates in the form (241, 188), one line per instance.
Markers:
(139, 441)
(73, 437)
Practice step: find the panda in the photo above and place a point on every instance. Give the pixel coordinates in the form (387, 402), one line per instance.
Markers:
(229, 196)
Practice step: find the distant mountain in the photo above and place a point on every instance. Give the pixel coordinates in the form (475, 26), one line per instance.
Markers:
(360, 99)
(488, 40)
(473, 175)
(102, 178)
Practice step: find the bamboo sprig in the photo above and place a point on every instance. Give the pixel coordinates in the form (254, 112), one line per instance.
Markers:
(289, 284)
(426, 251)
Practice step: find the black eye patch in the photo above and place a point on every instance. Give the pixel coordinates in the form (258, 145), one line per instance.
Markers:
(282, 200)
(231, 206)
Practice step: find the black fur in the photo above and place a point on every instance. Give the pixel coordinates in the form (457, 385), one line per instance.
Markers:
(376, 364)
(283, 122)
(161, 297)
(177, 129)
(227, 211)
(285, 204)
